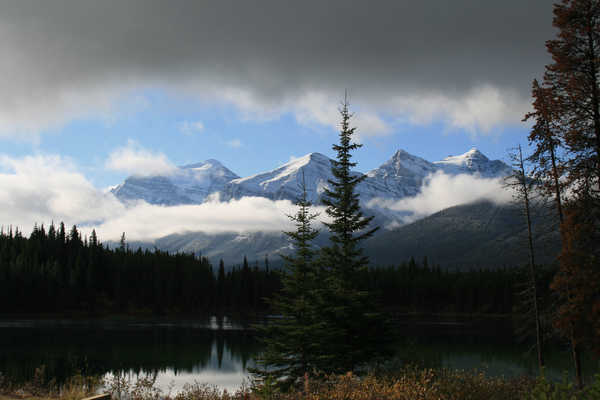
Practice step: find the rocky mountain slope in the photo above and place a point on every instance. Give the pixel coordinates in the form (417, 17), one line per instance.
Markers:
(189, 184)
(466, 235)
(400, 176)
(477, 235)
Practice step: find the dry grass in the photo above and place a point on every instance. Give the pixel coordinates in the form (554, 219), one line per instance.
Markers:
(414, 384)
(407, 384)
(42, 388)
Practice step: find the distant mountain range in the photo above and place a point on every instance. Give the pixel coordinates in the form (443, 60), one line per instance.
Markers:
(398, 177)
(470, 235)
(189, 184)
(476, 235)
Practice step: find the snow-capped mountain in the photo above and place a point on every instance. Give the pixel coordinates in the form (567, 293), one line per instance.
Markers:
(285, 182)
(474, 162)
(188, 184)
(399, 177)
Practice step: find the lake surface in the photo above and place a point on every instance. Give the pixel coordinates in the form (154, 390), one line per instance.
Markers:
(219, 351)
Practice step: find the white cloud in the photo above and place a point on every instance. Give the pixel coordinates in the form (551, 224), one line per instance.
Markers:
(136, 160)
(31, 111)
(478, 111)
(440, 191)
(144, 221)
(322, 108)
(189, 128)
(45, 188)
(235, 143)
(41, 189)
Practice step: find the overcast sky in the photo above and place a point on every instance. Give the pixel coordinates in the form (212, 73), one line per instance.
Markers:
(253, 83)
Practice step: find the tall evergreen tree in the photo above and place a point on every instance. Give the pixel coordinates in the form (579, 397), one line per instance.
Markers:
(355, 329)
(293, 346)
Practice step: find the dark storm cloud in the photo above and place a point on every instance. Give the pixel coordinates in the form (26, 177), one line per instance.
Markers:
(62, 59)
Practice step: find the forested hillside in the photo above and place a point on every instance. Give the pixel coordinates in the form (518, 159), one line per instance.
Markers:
(55, 272)
(58, 272)
(478, 235)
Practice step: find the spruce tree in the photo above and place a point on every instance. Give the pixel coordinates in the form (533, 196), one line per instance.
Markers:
(355, 330)
(293, 342)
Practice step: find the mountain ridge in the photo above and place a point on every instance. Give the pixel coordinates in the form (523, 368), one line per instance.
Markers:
(400, 176)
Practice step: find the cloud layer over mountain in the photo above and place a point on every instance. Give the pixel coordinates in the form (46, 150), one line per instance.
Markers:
(440, 191)
(467, 62)
(39, 189)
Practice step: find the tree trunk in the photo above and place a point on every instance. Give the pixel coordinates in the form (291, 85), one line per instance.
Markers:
(532, 269)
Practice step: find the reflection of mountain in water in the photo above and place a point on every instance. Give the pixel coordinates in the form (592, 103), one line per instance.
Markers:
(99, 348)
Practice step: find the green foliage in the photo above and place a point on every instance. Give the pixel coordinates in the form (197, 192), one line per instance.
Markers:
(328, 319)
(293, 341)
(52, 272)
(268, 389)
(355, 332)
(564, 390)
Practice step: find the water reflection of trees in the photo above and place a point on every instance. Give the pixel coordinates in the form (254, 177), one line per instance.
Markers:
(148, 349)
(98, 351)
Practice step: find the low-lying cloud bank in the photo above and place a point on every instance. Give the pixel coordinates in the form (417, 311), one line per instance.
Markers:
(144, 221)
(40, 189)
(440, 191)
(44, 188)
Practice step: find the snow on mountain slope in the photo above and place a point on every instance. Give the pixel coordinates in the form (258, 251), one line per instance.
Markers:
(285, 182)
(474, 162)
(399, 177)
(189, 184)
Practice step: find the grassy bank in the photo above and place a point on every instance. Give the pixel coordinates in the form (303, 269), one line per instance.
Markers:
(408, 384)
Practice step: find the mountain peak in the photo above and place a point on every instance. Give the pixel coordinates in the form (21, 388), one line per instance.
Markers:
(317, 156)
(211, 162)
(465, 158)
(475, 153)
(400, 154)
(474, 161)
(307, 158)
(189, 184)
(402, 169)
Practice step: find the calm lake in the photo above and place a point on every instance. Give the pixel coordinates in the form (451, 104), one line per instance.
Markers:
(219, 351)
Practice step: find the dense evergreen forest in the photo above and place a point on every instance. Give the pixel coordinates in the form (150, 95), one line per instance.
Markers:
(57, 272)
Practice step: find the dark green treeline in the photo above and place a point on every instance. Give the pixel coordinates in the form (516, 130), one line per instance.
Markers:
(418, 287)
(54, 271)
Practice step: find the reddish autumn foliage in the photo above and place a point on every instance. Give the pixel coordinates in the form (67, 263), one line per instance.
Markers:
(566, 134)
(578, 281)
(546, 134)
(573, 80)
